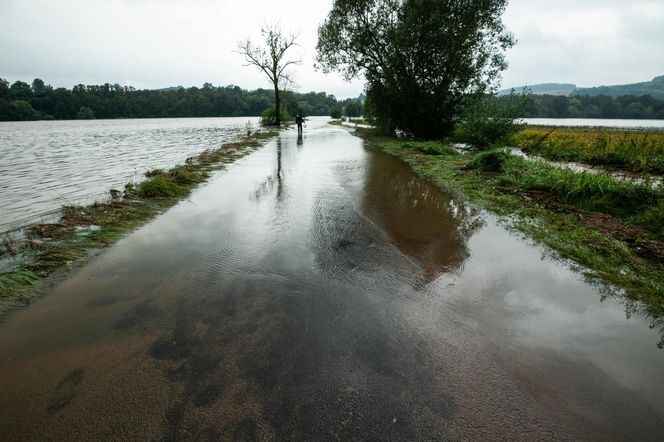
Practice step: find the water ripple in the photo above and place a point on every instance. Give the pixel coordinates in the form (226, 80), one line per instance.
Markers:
(47, 164)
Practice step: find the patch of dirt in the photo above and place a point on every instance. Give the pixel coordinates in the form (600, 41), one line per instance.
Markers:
(612, 226)
(45, 230)
(489, 174)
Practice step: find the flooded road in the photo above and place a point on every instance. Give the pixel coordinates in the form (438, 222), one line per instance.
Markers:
(318, 290)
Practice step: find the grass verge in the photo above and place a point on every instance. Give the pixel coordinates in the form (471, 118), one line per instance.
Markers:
(47, 248)
(610, 229)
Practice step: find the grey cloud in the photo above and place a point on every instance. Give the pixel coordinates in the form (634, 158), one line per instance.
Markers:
(158, 43)
(612, 42)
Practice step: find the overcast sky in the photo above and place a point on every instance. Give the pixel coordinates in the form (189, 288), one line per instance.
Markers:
(161, 43)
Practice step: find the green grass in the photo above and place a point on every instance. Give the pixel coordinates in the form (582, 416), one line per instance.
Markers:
(483, 177)
(489, 161)
(587, 191)
(429, 148)
(653, 218)
(63, 245)
(158, 186)
(635, 151)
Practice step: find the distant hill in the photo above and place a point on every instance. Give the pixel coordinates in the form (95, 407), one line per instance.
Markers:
(565, 89)
(654, 88)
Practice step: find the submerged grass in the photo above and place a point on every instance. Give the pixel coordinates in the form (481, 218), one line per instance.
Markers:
(587, 191)
(553, 206)
(635, 151)
(48, 248)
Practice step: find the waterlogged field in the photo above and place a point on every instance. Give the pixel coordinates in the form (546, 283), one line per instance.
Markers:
(635, 151)
(49, 164)
(596, 122)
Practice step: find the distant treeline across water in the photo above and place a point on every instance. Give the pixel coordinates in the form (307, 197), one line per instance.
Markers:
(629, 107)
(36, 101)
(22, 101)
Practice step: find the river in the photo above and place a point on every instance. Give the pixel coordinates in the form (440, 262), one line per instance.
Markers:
(319, 290)
(47, 164)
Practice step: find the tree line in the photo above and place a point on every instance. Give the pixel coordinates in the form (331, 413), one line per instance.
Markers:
(598, 106)
(23, 101)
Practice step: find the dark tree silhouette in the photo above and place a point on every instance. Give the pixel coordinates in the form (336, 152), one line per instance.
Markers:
(420, 58)
(271, 60)
(114, 101)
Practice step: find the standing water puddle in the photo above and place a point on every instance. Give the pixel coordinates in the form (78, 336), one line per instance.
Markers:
(318, 289)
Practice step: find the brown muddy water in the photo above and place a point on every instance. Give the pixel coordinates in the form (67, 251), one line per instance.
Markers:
(319, 290)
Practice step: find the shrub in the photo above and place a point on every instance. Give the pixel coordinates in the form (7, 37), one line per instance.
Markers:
(157, 186)
(184, 175)
(429, 148)
(154, 172)
(490, 161)
(268, 117)
(489, 121)
(335, 112)
(20, 110)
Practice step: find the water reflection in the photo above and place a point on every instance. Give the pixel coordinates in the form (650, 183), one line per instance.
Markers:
(280, 180)
(380, 207)
(274, 182)
(632, 307)
(426, 224)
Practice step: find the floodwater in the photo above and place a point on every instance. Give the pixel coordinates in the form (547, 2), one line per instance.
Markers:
(48, 164)
(621, 175)
(318, 290)
(597, 122)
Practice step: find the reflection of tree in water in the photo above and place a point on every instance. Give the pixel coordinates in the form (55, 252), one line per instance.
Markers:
(632, 306)
(280, 182)
(425, 223)
(347, 246)
(389, 206)
(274, 182)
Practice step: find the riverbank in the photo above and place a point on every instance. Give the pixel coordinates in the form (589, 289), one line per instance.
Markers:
(45, 251)
(611, 229)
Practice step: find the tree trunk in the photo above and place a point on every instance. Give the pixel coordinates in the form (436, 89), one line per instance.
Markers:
(277, 106)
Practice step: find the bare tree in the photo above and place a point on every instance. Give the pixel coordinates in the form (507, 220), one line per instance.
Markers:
(271, 59)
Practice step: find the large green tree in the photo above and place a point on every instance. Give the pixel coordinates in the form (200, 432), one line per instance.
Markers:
(420, 58)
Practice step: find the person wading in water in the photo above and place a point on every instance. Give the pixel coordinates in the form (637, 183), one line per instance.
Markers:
(299, 120)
